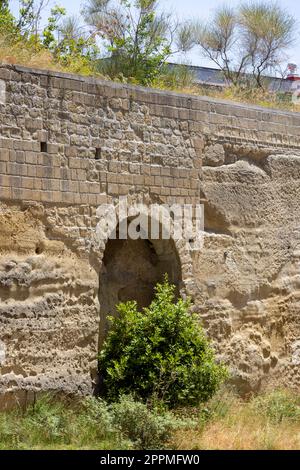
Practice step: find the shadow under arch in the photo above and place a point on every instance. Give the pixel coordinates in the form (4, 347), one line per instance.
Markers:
(131, 269)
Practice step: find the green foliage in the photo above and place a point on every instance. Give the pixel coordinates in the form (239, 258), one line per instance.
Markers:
(7, 21)
(145, 428)
(60, 42)
(53, 423)
(271, 419)
(49, 39)
(89, 423)
(160, 352)
(48, 419)
(218, 407)
(63, 38)
(175, 77)
(279, 405)
(44, 422)
(138, 37)
(27, 15)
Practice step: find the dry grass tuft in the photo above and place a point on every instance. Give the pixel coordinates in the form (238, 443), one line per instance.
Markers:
(23, 55)
(252, 96)
(27, 54)
(268, 422)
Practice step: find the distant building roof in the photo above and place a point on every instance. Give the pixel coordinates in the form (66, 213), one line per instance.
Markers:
(214, 77)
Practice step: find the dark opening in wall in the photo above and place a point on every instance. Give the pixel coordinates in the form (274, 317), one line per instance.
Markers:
(130, 271)
(39, 249)
(98, 154)
(44, 147)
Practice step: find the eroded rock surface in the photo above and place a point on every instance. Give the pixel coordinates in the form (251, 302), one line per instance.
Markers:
(49, 311)
(248, 274)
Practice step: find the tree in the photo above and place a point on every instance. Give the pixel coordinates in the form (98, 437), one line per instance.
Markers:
(7, 21)
(253, 39)
(30, 14)
(137, 34)
(268, 33)
(26, 25)
(65, 39)
(159, 352)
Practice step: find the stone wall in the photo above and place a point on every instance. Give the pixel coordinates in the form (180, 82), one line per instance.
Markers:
(69, 144)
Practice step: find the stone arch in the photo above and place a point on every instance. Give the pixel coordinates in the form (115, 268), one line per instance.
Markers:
(131, 268)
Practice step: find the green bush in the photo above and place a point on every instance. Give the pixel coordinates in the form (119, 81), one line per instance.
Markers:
(159, 352)
(145, 428)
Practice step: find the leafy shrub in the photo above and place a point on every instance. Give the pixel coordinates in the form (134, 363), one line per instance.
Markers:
(95, 422)
(147, 429)
(278, 405)
(7, 21)
(140, 43)
(161, 352)
(96, 411)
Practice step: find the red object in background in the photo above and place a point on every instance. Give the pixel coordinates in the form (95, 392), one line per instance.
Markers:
(292, 72)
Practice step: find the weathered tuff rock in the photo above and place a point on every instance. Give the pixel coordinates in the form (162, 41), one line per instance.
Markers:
(48, 298)
(68, 145)
(214, 155)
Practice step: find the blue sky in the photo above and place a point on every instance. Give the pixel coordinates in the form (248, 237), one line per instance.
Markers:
(185, 9)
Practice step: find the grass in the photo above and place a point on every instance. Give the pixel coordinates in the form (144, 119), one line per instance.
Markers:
(180, 79)
(90, 423)
(254, 96)
(21, 54)
(267, 422)
(53, 424)
(27, 54)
